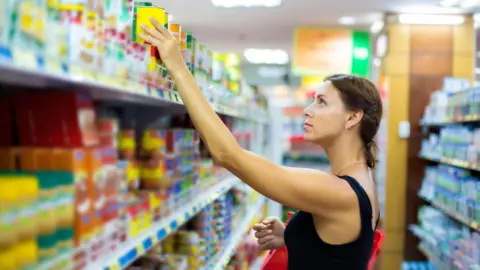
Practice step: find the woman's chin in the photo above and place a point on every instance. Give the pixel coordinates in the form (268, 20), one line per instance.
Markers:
(306, 137)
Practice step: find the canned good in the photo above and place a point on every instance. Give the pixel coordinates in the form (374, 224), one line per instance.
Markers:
(127, 144)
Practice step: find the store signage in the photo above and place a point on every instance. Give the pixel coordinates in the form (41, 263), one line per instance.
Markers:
(320, 52)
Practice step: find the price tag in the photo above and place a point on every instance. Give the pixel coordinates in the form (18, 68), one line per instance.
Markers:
(53, 66)
(140, 249)
(25, 59)
(166, 96)
(154, 92)
(76, 71)
(116, 266)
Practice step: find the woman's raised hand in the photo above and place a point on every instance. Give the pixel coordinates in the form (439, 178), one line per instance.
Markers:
(166, 44)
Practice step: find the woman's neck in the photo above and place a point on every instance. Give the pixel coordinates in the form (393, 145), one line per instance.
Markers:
(344, 151)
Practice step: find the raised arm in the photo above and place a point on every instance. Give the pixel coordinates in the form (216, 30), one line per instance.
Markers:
(303, 189)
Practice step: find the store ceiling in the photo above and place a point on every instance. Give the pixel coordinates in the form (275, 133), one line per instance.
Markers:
(236, 29)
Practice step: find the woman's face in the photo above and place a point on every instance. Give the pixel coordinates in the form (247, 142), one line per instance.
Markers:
(326, 117)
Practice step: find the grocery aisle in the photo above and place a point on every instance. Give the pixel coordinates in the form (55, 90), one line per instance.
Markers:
(101, 167)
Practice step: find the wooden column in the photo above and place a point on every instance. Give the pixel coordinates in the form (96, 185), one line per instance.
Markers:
(397, 71)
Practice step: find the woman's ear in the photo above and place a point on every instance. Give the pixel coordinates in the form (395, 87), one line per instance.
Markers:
(354, 118)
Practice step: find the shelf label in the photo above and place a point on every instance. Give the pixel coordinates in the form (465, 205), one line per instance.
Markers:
(166, 96)
(25, 59)
(53, 66)
(175, 97)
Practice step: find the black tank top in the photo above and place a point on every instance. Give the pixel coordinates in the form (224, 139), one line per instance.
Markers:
(307, 251)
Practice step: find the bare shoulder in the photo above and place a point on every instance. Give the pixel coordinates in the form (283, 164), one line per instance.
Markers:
(365, 179)
(332, 190)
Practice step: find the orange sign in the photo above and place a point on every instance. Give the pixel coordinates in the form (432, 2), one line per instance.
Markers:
(322, 51)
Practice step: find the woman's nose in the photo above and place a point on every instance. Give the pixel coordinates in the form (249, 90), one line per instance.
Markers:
(308, 111)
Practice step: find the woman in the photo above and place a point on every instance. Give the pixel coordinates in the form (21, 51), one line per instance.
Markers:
(334, 228)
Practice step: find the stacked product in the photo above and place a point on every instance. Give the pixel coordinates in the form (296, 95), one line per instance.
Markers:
(195, 245)
(214, 226)
(454, 189)
(28, 225)
(245, 254)
(448, 242)
(460, 143)
(453, 103)
(171, 161)
(74, 180)
(64, 158)
(98, 40)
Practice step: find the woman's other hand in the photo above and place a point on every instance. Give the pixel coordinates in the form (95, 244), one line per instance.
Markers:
(166, 44)
(269, 233)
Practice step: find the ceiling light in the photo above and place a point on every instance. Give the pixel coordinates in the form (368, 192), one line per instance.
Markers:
(431, 19)
(464, 4)
(449, 3)
(469, 4)
(246, 3)
(346, 20)
(265, 56)
(377, 26)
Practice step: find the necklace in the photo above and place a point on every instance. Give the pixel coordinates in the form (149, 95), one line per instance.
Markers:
(348, 165)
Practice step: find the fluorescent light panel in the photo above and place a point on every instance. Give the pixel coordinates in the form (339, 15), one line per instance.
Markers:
(469, 4)
(266, 56)
(464, 4)
(431, 19)
(246, 3)
(347, 20)
(449, 3)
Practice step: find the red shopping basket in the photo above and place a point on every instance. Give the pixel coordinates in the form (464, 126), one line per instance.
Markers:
(278, 259)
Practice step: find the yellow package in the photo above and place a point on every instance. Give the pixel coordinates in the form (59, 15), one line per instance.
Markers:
(8, 260)
(143, 15)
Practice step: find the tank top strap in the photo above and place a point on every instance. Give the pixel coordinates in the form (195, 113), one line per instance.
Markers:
(366, 211)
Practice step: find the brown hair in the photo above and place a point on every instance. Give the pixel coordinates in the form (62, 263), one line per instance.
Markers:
(357, 94)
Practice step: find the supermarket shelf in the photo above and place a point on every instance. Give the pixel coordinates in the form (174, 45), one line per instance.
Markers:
(472, 118)
(221, 260)
(102, 87)
(470, 223)
(57, 262)
(419, 233)
(432, 258)
(453, 162)
(438, 263)
(135, 248)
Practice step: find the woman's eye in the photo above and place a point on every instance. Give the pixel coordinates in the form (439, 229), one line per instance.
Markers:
(321, 101)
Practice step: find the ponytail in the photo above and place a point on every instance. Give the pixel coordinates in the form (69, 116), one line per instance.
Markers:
(371, 149)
